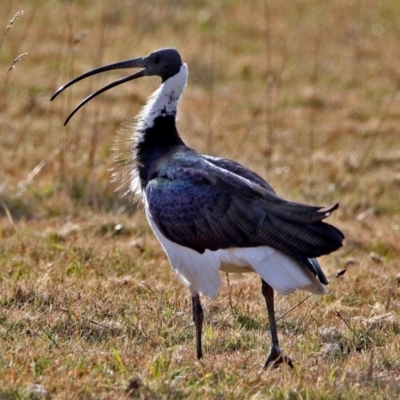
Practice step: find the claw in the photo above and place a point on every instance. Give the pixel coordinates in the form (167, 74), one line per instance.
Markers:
(277, 357)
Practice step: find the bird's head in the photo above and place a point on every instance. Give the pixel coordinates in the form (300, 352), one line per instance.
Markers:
(164, 63)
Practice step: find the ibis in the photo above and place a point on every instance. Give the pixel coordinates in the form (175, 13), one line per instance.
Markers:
(213, 214)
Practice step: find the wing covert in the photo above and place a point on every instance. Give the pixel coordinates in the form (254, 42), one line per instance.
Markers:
(191, 211)
(211, 208)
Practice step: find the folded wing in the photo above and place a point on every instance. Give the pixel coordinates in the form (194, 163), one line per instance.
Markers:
(214, 207)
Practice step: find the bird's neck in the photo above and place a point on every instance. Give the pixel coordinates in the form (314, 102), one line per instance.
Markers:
(164, 101)
(156, 134)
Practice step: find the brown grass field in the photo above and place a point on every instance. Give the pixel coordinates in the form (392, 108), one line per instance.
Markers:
(306, 93)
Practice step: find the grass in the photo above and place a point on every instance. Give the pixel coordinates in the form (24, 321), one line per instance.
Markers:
(304, 93)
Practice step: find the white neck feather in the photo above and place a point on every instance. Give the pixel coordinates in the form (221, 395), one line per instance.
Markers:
(164, 100)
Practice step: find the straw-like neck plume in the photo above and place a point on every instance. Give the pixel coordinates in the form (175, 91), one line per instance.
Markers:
(153, 134)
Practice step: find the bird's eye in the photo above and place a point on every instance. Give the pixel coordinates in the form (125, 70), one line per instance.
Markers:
(156, 58)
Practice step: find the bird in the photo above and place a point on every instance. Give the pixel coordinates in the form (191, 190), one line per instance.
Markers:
(213, 214)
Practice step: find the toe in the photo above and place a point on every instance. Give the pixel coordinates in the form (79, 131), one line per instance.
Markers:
(277, 357)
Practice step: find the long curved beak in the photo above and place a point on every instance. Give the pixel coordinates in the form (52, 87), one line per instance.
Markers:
(133, 63)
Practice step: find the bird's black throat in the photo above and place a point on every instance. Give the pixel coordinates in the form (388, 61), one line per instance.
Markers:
(155, 142)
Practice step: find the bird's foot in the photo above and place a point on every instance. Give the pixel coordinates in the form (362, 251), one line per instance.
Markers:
(277, 357)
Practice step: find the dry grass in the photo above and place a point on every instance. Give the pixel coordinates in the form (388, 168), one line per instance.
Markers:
(89, 306)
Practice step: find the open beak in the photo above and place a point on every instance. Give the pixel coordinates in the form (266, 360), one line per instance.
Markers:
(133, 63)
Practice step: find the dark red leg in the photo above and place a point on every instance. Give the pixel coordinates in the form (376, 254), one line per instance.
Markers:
(198, 318)
(276, 355)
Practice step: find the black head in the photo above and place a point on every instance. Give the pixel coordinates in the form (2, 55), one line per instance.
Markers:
(164, 63)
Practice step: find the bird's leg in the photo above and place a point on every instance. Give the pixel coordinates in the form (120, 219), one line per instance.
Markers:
(276, 355)
(198, 318)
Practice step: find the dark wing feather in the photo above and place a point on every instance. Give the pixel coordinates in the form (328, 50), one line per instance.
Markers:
(296, 211)
(313, 266)
(238, 169)
(214, 208)
(191, 212)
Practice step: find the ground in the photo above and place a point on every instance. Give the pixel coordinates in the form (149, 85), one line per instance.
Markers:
(304, 92)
